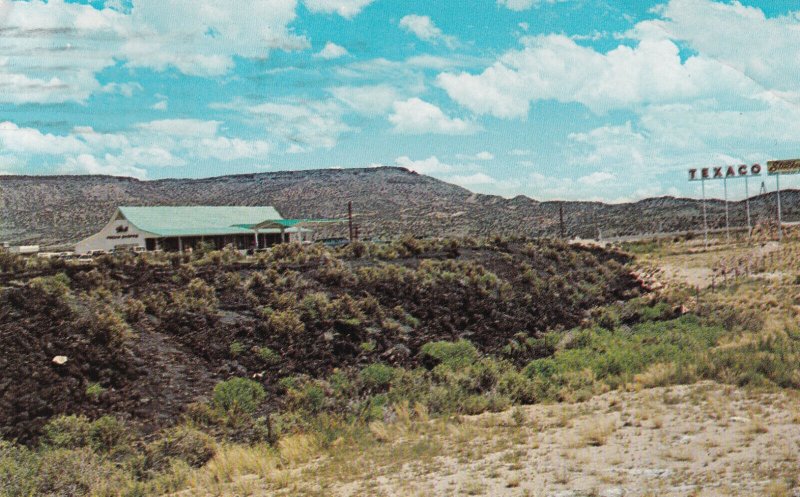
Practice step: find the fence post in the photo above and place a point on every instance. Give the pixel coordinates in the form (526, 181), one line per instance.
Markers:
(697, 294)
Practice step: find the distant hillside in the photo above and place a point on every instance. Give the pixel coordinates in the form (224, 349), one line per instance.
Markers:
(387, 201)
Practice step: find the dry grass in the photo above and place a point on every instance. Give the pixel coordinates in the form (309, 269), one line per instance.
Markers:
(595, 433)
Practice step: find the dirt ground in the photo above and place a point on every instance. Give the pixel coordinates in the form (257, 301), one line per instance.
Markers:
(699, 440)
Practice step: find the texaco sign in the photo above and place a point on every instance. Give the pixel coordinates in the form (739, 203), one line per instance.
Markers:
(724, 172)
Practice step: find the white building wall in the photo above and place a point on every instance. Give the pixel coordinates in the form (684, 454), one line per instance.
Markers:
(116, 233)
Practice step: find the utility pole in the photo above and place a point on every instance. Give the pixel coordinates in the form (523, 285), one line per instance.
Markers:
(350, 218)
(561, 219)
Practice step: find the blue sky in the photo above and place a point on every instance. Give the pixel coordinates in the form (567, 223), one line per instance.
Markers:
(554, 99)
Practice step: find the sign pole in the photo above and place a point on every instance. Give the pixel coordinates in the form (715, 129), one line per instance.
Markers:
(780, 228)
(747, 203)
(705, 222)
(727, 219)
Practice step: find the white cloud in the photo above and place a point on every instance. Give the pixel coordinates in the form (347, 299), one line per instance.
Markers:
(124, 89)
(430, 166)
(519, 5)
(229, 149)
(520, 152)
(331, 51)
(345, 8)
(163, 143)
(466, 175)
(476, 179)
(596, 178)
(88, 164)
(304, 126)
(51, 51)
(554, 67)
(424, 28)
(207, 35)
(480, 156)
(33, 141)
(618, 146)
(415, 116)
(765, 49)
(160, 105)
(182, 127)
(367, 100)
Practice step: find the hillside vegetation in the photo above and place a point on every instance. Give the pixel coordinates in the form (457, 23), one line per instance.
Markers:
(228, 376)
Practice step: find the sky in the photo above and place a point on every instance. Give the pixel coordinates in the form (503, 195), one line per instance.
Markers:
(553, 99)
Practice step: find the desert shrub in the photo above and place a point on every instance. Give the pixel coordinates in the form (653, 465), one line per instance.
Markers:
(316, 306)
(236, 349)
(285, 323)
(377, 377)
(307, 396)
(269, 356)
(74, 432)
(67, 432)
(108, 434)
(94, 391)
(56, 286)
(183, 443)
(517, 387)
(198, 297)
(11, 263)
(94, 279)
(106, 326)
(133, 310)
(615, 357)
(453, 355)
(756, 361)
(238, 395)
(19, 467)
(76, 472)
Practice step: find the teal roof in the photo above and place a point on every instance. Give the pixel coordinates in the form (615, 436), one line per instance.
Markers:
(198, 220)
(289, 223)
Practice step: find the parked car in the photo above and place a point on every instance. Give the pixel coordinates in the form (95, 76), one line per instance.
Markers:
(334, 242)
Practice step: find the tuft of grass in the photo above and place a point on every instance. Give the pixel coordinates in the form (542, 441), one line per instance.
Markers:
(595, 433)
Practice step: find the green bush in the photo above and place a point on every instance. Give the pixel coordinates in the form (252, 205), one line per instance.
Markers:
(76, 472)
(103, 435)
(308, 396)
(376, 377)
(238, 395)
(285, 323)
(198, 297)
(183, 443)
(19, 467)
(94, 391)
(11, 263)
(108, 434)
(269, 356)
(67, 432)
(453, 355)
(133, 310)
(236, 349)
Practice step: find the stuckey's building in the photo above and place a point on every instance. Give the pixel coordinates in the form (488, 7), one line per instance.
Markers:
(179, 228)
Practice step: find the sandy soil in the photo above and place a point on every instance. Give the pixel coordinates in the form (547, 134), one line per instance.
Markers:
(705, 439)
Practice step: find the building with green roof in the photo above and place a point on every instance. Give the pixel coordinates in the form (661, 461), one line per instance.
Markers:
(183, 227)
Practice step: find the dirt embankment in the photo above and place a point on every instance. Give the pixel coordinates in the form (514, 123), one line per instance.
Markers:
(142, 340)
